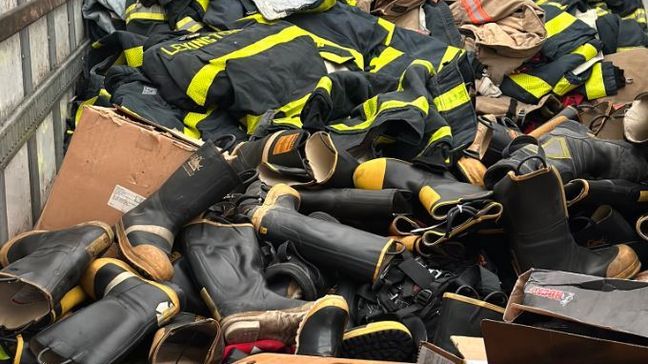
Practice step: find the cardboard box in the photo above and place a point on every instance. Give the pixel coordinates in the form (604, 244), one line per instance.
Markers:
(508, 343)
(588, 330)
(113, 163)
(471, 348)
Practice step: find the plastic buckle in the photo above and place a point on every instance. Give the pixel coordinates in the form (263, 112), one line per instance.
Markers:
(423, 297)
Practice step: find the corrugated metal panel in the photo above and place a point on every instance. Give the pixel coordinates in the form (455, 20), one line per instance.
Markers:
(41, 48)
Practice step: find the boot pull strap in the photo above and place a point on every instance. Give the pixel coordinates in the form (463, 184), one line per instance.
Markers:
(538, 157)
(520, 142)
(493, 296)
(225, 142)
(517, 143)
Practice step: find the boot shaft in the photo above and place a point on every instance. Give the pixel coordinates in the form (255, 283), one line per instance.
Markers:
(322, 330)
(226, 262)
(188, 338)
(42, 268)
(93, 237)
(128, 308)
(462, 316)
(339, 247)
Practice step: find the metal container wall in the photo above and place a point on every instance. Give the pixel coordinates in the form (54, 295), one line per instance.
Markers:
(42, 44)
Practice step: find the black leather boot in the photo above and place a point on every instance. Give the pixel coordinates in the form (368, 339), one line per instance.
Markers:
(128, 308)
(576, 154)
(41, 267)
(462, 316)
(437, 193)
(188, 338)
(382, 340)
(147, 232)
(535, 216)
(337, 247)
(625, 196)
(321, 331)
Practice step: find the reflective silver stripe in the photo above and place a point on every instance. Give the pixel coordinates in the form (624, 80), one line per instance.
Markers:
(160, 231)
(117, 280)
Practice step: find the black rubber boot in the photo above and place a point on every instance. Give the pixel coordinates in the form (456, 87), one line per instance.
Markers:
(462, 316)
(340, 248)
(188, 338)
(627, 197)
(280, 152)
(183, 278)
(535, 216)
(227, 266)
(147, 232)
(576, 154)
(438, 193)
(382, 340)
(604, 227)
(356, 204)
(321, 331)
(128, 308)
(41, 267)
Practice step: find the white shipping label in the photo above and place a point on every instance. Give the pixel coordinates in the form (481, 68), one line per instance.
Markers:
(123, 199)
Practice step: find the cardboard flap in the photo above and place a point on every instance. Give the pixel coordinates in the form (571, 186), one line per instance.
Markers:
(513, 343)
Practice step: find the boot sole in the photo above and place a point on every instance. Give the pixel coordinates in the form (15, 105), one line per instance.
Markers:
(631, 271)
(379, 341)
(248, 327)
(139, 263)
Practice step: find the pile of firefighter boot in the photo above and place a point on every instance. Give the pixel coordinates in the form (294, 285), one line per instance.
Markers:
(536, 221)
(575, 153)
(455, 208)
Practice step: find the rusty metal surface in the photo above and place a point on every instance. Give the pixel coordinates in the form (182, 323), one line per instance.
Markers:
(21, 16)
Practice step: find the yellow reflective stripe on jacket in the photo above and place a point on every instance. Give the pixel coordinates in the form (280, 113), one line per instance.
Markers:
(325, 83)
(452, 99)
(587, 50)
(594, 86)
(536, 86)
(389, 28)
(639, 15)
(134, 56)
(385, 57)
(203, 4)
(358, 59)
(89, 102)
(324, 6)
(335, 58)
(417, 62)
(371, 113)
(441, 133)
(199, 86)
(139, 12)
(559, 23)
(563, 86)
(191, 121)
(290, 110)
(450, 54)
(188, 23)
